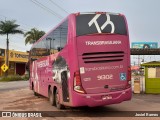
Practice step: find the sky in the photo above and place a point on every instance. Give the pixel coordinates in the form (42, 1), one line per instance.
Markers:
(142, 16)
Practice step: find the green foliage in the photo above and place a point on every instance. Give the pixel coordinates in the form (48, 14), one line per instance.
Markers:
(25, 77)
(9, 27)
(14, 78)
(33, 35)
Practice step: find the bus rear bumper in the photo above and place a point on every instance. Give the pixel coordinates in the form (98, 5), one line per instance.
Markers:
(93, 100)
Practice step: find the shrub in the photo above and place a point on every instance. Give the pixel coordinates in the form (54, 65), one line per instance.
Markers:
(14, 78)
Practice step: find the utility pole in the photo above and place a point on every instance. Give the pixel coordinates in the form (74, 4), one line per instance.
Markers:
(7, 55)
(50, 43)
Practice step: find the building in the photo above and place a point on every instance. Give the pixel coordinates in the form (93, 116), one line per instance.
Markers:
(152, 77)
(17, 61)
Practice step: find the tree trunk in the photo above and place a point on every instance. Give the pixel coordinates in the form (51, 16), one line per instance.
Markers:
(7, 55)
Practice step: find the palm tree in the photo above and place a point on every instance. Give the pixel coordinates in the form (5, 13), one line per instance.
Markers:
(9, 27)
(33, 35)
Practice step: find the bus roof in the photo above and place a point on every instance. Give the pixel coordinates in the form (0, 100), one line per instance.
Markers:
(78, 13)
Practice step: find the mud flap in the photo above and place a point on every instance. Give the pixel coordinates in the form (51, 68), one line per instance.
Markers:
(65, 86)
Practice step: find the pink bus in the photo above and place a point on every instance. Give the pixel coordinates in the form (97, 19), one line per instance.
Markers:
(84, 61)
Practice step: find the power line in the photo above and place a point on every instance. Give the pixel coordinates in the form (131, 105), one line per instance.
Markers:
(59, 6)
(54, 13)
(46, 8)
(23, 24)
(19, 22)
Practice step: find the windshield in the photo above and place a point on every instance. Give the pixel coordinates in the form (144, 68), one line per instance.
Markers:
(100, 23)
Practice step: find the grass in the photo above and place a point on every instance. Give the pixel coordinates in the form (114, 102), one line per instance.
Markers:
(14, 78)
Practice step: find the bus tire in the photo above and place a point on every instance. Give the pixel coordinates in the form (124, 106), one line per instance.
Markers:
(57, 99)
(51, 97)
(35, 94)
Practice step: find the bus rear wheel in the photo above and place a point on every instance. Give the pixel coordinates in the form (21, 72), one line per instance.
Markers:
(57, 99)
(33, 88)
(51, 97)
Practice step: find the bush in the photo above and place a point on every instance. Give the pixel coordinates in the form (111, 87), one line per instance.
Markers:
(14, 78)
(25, 77)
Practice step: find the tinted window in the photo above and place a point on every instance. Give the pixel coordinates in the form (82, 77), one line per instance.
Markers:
(52, 43)
(57, 38)
(100, 23)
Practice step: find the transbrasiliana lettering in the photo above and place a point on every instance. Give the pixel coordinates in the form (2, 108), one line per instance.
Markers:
(103, 42)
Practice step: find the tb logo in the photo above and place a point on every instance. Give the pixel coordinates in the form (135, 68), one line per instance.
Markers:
(108, 22)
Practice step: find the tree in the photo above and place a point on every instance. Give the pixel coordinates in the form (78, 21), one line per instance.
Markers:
(33, 35)
(9, 27)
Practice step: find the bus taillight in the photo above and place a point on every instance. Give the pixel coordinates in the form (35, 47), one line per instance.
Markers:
(77, 83)
(129, 78)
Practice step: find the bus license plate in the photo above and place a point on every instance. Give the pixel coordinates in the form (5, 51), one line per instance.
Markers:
(106, 97)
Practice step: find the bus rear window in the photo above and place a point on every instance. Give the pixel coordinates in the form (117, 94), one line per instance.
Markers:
(100, 23)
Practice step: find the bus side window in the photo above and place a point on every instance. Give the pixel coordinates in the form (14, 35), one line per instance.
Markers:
(57, 39)
(63, 35)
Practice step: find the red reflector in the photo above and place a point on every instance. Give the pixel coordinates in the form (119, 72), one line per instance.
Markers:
(77, 14)
(121, 14)
(100, 12)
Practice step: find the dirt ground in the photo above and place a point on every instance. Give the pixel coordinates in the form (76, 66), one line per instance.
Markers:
(24, 100)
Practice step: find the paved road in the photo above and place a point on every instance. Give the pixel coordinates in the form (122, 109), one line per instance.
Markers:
(6, 86)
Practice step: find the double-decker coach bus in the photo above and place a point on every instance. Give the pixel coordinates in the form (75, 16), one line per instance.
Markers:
(84, 61)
